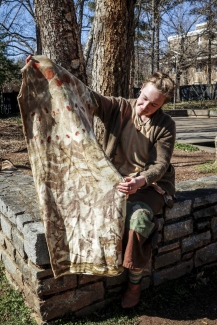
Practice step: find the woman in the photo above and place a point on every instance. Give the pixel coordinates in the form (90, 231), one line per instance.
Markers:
(139, 139)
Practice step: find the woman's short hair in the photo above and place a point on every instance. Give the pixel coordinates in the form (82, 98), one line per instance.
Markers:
(163, 83)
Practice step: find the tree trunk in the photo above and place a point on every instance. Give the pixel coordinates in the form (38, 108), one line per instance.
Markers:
(59, 35)
(158, 18)
(89, 44)
(209, 61)
(38, 40)
(113, 46)
(152, 36)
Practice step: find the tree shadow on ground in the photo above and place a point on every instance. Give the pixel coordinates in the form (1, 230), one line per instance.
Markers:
(182, 301)
(191, 297)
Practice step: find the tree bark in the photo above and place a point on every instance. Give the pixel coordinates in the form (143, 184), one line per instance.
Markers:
(59, 35)
(153, 36)
(38, 40)
(158, 19)
(113, 46)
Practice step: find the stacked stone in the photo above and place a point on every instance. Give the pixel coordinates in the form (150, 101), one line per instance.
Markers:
(188, 231)
(24, 252)
(187, 240)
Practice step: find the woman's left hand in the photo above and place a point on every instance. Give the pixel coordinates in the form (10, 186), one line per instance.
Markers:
(131, 184)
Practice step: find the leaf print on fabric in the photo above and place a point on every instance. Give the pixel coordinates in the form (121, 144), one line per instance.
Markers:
(82, 211)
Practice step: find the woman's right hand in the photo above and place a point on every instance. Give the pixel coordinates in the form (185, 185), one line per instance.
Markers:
(28, 58)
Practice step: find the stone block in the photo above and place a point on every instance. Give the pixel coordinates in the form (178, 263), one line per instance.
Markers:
(145, 283)
(11, 206)
(177, 230)
(206, 255)
(201, 112)
(166, 259)
(214, 227)
(180, 209)
(203, 225)
(90, 309)
(14, 211)
(22, 220)
(2, 251)
(173, 272)
(84, 278)
(24, 268)
(116, 280)
(208, 212)
(2, 239)
(188, 256)
(9, 247)
(31, 299)
(50, 286)
(161, 223)
(35, 244)
(147, 269)
(204, 200)
(71, 301)
(39, 272)
(18, 241)
(195, 241)
(212, 113)
(12, 269)
(6, 226)
(166, 248)
(114, 292)
(12, 282)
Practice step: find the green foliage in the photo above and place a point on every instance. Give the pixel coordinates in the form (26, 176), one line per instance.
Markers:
(208, 167)
(16, 119)
(185, 147)
(13, 311)
(9, 70)
(205, 104)
(91, 6)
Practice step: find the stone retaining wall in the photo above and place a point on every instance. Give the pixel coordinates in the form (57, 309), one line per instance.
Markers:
(187, 241)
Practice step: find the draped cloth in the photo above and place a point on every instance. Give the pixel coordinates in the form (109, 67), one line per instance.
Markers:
(82, 211)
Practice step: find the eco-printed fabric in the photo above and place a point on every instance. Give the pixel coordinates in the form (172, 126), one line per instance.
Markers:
(82, 211)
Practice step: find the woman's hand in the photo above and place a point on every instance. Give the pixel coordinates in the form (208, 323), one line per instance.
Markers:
(131, 184)
(28, 58)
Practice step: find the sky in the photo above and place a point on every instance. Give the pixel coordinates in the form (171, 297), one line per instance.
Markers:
(23, 24)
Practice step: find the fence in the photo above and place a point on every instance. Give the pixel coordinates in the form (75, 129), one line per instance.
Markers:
(193, 92)
(198, 92)
(9, 104)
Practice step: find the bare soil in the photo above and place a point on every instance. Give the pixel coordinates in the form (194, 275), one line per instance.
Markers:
(198, 311)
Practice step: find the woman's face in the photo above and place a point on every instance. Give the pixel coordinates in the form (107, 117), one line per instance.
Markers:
(150, 99)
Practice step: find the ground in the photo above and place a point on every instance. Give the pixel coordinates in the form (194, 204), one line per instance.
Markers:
(190, 310)
(13, 148)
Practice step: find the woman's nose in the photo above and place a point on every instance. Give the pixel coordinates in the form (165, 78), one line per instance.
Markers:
(144, 104)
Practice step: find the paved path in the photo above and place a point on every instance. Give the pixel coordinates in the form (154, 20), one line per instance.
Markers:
(198, 131)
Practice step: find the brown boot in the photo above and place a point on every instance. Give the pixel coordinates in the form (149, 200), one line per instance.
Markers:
(131, 295)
